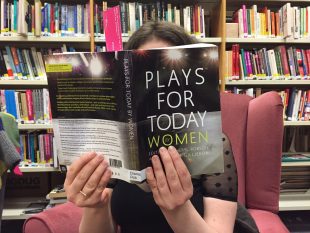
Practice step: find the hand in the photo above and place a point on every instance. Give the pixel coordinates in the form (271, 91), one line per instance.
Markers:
(172, 186)
(86, 181)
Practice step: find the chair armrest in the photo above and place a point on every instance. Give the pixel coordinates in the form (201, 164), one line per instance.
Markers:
(64, 218)
(264, 152)
(268, 222)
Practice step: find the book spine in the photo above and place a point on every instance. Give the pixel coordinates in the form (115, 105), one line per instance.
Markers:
(244, 67)
(8, 65)
(245, 24)
(304, 62)
(30, 105)
(11, 62)
(127, 86)
(284, 60)
(3, 69)
(21, 63)
(290, 106)
(16, 61)
(10, 102)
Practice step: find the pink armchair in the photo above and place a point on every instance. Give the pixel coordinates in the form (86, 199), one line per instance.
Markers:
(255, 129)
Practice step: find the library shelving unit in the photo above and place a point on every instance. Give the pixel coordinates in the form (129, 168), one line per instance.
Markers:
(13, 208)
(288, 201)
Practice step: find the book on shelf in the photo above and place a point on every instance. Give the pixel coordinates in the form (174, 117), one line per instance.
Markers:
(298, 157)
(127, 104)
(54, 19)
(36, 18)
(29, 106)
(295, 178)
(296, 101)
(37, 149)
(26, 64)
(288, 22)
(279, 63)
(57, 193)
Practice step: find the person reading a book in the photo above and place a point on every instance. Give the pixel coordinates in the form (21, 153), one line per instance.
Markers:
(171, 200)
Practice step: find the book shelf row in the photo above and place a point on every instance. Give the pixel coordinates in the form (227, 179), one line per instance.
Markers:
(37, 148)
(286, 22)
(296, 102)
(86, 39)
(58, 19)
(278, 63)
(27, 106)
(23, 64)
(193, 17)
(36, 19)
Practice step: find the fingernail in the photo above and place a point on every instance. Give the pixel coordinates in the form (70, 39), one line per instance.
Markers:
(171, 148)
(155, 158)
(148, 170)
(162, 149)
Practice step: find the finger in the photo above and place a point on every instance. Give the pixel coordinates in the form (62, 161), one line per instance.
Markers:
(76, 167)
(97, 194)
(86, 172)
(160, 176)
(171, 173)
(151, 180)
(181, 169)
(93, 181)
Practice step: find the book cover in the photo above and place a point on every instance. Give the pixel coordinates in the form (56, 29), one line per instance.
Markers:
(127, 104)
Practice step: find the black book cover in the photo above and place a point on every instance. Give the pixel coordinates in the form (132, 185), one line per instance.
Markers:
(128, 104)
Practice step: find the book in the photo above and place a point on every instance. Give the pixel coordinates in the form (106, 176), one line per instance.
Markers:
(295, 157)
(57, 193)
(127, 104)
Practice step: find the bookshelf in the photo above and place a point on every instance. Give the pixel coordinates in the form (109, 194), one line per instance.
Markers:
(293, 200)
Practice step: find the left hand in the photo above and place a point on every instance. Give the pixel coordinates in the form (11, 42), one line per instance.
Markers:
(172, 185)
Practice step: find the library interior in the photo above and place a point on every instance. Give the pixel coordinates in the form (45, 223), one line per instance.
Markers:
(261, 67)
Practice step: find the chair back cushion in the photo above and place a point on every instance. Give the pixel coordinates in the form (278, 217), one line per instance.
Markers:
(234, 122)
(264, 152)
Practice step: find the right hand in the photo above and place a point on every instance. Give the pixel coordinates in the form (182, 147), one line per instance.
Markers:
(89, 174)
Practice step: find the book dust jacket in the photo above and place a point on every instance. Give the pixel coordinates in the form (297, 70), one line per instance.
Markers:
(127, 104)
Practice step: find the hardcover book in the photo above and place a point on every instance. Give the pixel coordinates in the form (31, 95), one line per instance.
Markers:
(128, 104)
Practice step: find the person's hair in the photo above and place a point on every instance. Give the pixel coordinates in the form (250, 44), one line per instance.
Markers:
(168, 32)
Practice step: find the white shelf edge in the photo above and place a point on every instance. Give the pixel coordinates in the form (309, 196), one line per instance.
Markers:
(39, 169)
(23, 82)
(255, 40)
(14, 207)
(210, 40)
(295, 164)
(296, 123)
(45, 38)
(203, 40)
(268, 40)
(34, 126)
(266, 82)
(292, 202)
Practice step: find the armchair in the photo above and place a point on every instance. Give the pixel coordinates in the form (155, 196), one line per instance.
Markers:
(255, 130)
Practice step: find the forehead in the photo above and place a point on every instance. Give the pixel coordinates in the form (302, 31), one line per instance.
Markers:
(154, 43)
